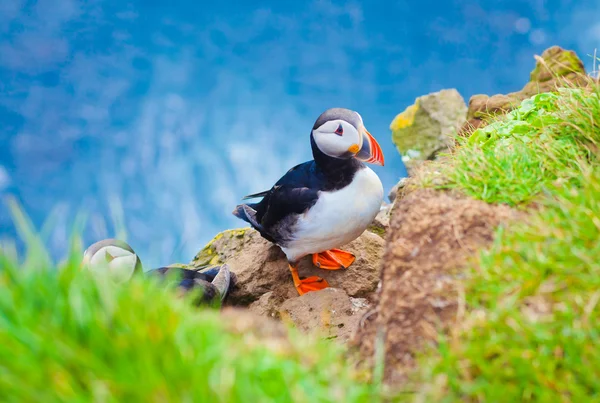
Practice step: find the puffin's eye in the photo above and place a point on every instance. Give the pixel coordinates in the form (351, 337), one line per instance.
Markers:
(339, 131)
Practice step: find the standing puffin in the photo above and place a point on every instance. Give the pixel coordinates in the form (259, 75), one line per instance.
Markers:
(320, 205)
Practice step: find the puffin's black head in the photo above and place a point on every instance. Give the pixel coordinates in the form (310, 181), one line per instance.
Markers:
(340, 133)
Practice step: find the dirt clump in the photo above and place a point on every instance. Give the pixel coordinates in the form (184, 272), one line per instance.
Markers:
(431, 238)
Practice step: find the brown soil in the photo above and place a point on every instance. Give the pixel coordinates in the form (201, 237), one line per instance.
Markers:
(431, 238)
(330, 312)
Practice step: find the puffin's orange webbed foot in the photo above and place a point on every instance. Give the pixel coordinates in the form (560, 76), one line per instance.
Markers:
(333, 259)
(312, 283)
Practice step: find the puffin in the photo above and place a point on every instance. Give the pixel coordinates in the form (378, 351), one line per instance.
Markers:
(121, 263)
(325, 203)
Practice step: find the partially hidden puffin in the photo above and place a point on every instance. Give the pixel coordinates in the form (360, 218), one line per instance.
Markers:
(117, 259)
(322, 204)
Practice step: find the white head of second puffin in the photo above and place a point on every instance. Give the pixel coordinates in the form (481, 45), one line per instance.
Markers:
(341, 133)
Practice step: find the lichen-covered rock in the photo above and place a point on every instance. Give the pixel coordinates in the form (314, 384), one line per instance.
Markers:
(556, 62)
(554, 67)
(330, 311)
(427, 126)
(250, 257)
(261, 267)
(215, 251)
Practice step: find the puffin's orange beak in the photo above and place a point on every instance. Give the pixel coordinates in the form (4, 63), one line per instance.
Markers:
(370, 151)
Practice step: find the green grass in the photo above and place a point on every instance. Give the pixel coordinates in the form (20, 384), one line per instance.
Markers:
(531, 329)
(68, 336)
(516, 157)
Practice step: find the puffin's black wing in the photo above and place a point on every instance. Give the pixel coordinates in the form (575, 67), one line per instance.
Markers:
(293, 194)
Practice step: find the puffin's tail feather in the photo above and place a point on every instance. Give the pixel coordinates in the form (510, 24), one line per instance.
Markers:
(248, 214)
(239, 213)
(222, 281)
(255, 195)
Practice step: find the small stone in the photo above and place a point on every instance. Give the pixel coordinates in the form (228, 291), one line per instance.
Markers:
(393, 193)
(394, 190)
(359, 304)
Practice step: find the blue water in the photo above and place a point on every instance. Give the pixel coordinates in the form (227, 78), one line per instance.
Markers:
(155, 118)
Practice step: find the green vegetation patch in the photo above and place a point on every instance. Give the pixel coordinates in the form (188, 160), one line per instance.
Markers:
(550, 138)
(66, 336)
(531, 328)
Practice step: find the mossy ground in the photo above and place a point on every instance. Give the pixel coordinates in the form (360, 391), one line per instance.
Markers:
(66, 336)
(532, 324)
(549, 139)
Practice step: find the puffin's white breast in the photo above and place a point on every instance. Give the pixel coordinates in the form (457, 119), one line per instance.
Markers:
(337, 217)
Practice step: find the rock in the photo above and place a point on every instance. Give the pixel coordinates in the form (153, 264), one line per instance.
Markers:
(556, 62)
(222, 247)
(381, 222)
(261, 267)
(554, 67)
(427, 127)
(256, 262)
(267, 305)
(330, 311)
(482, 105)
(393, 193)
(394, 190)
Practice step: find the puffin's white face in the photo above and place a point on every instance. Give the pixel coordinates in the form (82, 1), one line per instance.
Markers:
(119, 263)
(338, 139)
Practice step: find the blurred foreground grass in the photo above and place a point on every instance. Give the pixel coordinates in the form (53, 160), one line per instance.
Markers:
(66, 336)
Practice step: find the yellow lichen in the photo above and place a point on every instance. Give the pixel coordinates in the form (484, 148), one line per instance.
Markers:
(238, 233)
(209, 254)
(405, 119)
(178, 265)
